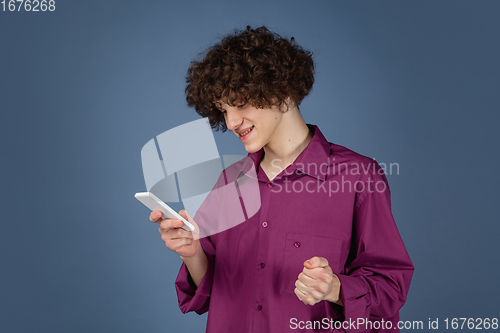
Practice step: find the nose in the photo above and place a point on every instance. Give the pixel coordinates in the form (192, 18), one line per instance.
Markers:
(233, 118)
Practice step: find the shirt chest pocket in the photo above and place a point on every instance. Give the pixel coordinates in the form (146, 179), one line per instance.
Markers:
(300, 247)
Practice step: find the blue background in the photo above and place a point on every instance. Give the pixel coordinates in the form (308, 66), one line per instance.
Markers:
(83, 88)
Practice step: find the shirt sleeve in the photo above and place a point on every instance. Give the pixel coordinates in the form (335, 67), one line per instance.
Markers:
(189, 296)
(377, 275)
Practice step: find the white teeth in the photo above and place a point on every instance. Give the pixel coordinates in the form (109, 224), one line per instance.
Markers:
(246, 132)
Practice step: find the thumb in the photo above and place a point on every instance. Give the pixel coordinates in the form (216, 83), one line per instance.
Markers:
(184, 214)
(315, 262)
(188, 217)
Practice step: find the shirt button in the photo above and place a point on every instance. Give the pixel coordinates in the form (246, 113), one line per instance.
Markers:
(264, 224)
(262, 265)
(269, 184)
(296, 244)
(259, 307)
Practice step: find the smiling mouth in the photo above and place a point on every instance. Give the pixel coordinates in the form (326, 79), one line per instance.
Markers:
(246, 132)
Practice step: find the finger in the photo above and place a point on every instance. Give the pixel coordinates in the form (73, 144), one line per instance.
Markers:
(300, 295)
(315, 262)
(169, 235)
(196, 231)
(318, 273)
(175, 244)
(302, 287)
(155, 216)
(181, 233)
(181, 248)
(171, 224)
(183, 213)
(175, 233)
(315, 292)
(306, 280)
(306, 299)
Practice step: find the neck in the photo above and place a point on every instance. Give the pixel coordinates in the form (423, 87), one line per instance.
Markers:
(288, 141)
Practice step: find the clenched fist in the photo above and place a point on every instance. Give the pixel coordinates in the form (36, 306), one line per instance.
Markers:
(317, 282)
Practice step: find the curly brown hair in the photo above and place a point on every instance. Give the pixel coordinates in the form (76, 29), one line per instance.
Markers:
(255, 66)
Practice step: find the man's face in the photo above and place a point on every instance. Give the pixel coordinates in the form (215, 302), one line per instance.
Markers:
(254, 127)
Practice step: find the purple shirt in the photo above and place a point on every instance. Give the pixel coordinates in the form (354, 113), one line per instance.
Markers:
(332, 203)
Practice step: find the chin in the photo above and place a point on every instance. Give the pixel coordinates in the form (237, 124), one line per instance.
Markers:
(252, 148)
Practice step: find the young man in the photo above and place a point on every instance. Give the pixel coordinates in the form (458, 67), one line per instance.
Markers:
(323, 252)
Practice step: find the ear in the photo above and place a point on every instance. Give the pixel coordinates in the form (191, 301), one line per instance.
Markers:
(287, 104)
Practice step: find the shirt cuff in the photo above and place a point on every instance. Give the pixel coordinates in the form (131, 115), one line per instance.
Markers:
(191, 298)
(355, 296)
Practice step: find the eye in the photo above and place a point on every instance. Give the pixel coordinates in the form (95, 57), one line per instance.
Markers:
(218, 107)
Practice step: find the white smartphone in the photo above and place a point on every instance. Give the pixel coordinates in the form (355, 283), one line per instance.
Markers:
(154, 203)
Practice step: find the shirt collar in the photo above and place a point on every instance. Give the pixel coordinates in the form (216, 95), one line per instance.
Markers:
(313, 160)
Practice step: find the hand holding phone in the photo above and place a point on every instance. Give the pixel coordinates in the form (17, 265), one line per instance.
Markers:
(183, 242)
(154, 203)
